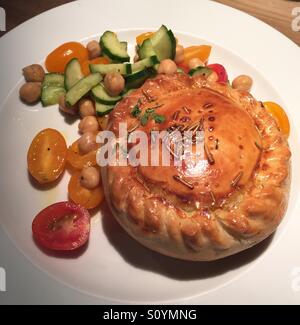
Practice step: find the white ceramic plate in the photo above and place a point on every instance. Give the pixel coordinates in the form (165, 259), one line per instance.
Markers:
(114, 268)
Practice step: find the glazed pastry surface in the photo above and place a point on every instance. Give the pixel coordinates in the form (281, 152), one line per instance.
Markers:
(229, 199)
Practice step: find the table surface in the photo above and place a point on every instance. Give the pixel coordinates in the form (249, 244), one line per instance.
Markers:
(277, 13)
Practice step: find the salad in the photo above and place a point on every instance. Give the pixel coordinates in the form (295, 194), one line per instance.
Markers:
(87, 82)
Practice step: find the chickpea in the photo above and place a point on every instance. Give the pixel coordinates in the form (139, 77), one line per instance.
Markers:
(195, 62)
(242, 82)
(88, 124)
(90, 177)
(167, 66)
(114, 83)
(94, 49)
(34, 73)
(30, 92)
(87, 142)
(179, 56)
(86, 108)
(62, 105)
(213, 77)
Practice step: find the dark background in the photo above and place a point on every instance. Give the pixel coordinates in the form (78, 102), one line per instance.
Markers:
(18, 11)
(277, 13)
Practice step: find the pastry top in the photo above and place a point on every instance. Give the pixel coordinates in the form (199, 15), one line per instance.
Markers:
(231, 198)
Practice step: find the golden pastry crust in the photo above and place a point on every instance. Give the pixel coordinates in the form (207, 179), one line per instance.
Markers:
(236, 201)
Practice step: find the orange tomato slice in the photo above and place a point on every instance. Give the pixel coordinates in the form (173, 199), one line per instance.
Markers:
(46, 157)
(88, 199)
(85, 65)
(201, 52)
(140, 38)
(57, 60)
(78, 161)
(280, 116)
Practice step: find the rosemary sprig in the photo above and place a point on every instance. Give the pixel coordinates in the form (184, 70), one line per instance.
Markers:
(142, 183)
(210, 157)
(259, 147)
(217, 144)
(175, 115)
(134, 127)
(187, 110)
(236, 180)
(148, 97)
(183, 181)
(213, 198)
(207, 105)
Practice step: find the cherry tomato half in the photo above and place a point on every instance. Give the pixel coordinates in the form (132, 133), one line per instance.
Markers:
(57, 60)
(78, 161)
(46, 157)
(142, 37)
(220, 71)
(89, 199)
(280, 116)
(62, 226)
(85, 65)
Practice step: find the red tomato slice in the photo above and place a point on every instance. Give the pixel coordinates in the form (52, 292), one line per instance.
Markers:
(184, 67)
(62, 226)
(220, 71)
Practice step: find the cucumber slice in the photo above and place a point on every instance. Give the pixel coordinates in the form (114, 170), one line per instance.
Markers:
(145, 63)
(179, 70)
(113, 48)
(124, 45)
(54, 79)
(164, 43)
(146, 49)
(123, 68)
(73, 73)
(101, 96)
(51, 94)
(82, 87)
(204, 71)
(136, 79)
(102, 109)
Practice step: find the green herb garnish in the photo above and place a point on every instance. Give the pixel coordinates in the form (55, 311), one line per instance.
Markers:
(144, 119)
(150, 110)
(136, 111)
(159, 118)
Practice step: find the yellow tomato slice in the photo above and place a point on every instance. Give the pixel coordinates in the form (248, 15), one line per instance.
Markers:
(89, 199)
(201, 52)
(57, 60)
(140, 38)
(46, 157)
(280, 116)
(79, 161)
